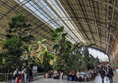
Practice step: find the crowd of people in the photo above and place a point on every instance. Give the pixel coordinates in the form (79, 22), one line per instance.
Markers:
(106, 72)
(21, 75)
(79, 75)
(82, 75)
(91, 74)
(56, 74)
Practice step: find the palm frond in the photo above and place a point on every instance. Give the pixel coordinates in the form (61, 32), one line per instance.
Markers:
(43, 40)
(56, 47)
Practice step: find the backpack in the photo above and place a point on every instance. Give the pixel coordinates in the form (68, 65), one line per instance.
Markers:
(80, 79)
(102, 72)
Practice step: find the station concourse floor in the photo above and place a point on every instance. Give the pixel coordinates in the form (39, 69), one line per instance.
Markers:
(51, 80)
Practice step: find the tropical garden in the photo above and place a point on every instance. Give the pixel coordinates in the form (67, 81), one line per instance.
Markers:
(20, 50)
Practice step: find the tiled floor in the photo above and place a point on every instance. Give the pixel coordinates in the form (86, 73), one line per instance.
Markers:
(115, 78)
(51, 80)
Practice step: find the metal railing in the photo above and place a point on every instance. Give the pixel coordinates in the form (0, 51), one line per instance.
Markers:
(5, 77)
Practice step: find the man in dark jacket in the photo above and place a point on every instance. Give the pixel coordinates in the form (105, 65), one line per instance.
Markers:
(30, 74)
(110, 74)
(102, 73)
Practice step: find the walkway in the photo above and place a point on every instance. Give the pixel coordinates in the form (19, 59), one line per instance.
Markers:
(51, 80)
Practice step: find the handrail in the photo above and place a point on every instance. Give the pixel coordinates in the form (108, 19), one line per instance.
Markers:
(8, 76)
(5, 73)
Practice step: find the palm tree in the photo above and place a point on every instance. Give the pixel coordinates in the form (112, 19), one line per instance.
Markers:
(39, 46)
(29, 54)
(60, 37)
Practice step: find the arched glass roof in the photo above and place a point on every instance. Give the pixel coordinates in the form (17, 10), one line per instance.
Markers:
(52, 13)
(96, 53)
(89, 21)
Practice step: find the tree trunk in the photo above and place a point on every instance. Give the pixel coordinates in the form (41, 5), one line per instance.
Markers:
(60, 54)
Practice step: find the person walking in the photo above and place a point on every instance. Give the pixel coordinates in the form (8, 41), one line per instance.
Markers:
(20, 75)
(102, 73)
(25, 74)
(110, 74)
(30, 74)
(15, 76)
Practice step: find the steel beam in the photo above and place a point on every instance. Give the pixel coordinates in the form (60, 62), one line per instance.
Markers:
(76, 17)
(115, 7)
(110, 30)
(86, 20)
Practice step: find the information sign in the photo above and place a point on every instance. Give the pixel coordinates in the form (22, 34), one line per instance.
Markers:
(34, 68)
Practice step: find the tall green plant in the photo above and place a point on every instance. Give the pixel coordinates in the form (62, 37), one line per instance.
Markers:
(19, 28)
(75, 58)
(41, 45)
(46, 60)
(13, 53)
(59, 36)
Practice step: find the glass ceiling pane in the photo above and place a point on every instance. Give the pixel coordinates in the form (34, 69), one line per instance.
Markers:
(42, 11)
(96, 53)
(62, 14)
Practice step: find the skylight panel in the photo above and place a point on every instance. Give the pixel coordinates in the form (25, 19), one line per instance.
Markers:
(61, 13)
(21, 0)
(59, 8)
(96, 53)
(27, 4)
(73, 42)
(47, 9)
(32, 3)
(46, 14)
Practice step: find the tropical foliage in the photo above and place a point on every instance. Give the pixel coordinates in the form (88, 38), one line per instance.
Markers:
(46, 60)
(11, 58)
(19, 28)
(41, 45)
(76, 58)
(59, 36)
(21, 51)
(71, 56)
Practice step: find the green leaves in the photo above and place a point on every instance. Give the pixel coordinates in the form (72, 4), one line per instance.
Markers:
(58, 30)
(53, 39)
(14, 50)
(52, 31)
(54, 35)
(19, 28)
(12, 43)
(64, 34)
(57, 47)
(61, 29)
